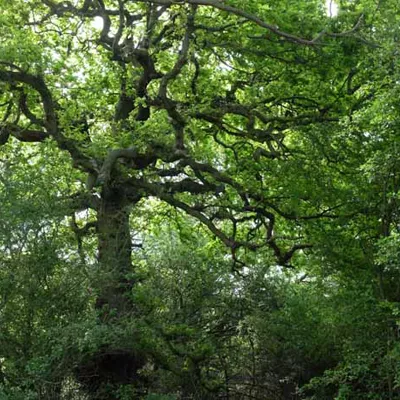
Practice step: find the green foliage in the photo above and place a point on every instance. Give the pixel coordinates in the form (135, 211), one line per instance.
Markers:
(250, 151)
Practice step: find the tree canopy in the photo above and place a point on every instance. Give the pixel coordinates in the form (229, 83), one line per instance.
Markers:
(199, 199)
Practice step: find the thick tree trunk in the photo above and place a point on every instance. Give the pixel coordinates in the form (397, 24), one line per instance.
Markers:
(114, 364)
(114, 253)
(114, 237)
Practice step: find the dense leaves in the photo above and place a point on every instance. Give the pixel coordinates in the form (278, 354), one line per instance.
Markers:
(199, 199)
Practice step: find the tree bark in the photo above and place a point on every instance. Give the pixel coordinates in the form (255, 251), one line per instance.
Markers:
(112, 365)
(114, 252)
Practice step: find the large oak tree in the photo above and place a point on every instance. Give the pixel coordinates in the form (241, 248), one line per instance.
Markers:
(231, 111)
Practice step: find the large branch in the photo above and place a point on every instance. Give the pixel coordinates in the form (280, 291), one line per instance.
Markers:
(178, 121)
(22, 134)
(252, 18)
(167, 192)
(140, 161)
(66, 7)
(157, 191)
(23, 105)
(37, 83)
(248, 194)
